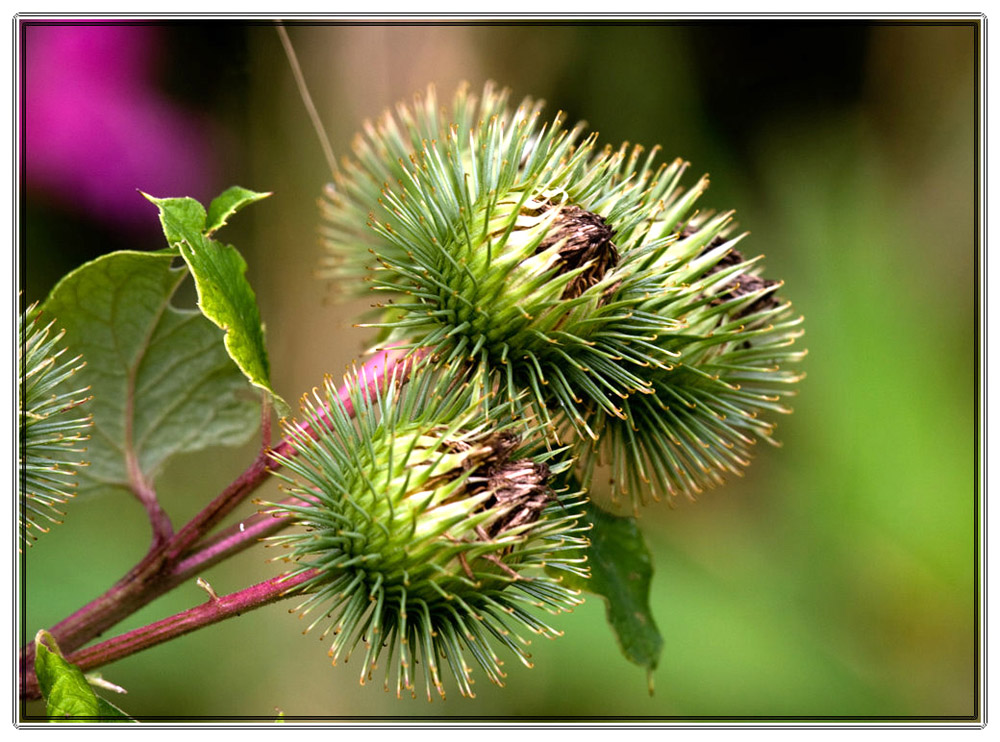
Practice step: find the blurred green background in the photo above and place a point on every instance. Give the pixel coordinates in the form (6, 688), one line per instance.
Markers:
(838, 577)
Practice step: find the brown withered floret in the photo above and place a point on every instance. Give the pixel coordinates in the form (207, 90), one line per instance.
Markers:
(519, 486)
(518, 489)
(741, 284)
(748, 284)
(584, 237)
(522, 485)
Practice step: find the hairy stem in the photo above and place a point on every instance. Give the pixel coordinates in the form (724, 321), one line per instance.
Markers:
(230, 541)
(215, 610)
(169, 564)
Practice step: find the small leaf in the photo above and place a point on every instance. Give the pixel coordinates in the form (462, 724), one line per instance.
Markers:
(112, 713)
(65, 689)
(228, 203)
(186, 215)
(161, 381)
(621, 571)
(224, 294)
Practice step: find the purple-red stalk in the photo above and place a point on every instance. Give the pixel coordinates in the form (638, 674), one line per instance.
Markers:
(170, 563)
(214, 610)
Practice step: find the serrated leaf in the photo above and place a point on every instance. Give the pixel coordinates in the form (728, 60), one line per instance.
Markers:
(68, 696)
(228, 203)
(621, 572)
(224, 294)
(162, 382)
(186, 215)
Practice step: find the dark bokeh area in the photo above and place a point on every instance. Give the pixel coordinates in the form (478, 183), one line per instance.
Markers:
(837, 578)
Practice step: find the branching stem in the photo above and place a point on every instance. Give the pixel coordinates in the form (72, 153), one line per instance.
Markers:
(190, 550)
(214, 610)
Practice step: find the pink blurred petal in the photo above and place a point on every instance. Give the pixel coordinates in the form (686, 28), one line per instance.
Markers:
(97, 128)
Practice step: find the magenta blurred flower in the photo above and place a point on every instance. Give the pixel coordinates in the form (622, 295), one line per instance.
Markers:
(97, 128)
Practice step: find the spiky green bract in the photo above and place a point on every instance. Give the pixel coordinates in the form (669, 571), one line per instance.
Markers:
(729, 377)
(52, 425)
(430, 527)
(471, 218)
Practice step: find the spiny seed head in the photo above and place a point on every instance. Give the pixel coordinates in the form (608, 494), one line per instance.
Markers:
(429, 527)
(53, 424)
(579, 284)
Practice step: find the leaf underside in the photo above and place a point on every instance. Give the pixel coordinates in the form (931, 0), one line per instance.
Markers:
(161, 381)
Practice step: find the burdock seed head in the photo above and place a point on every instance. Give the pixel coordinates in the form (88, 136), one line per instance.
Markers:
(580, 284)
(53, 424)
(431, 531)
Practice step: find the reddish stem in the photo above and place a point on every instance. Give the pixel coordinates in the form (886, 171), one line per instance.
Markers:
(232, 540)
(165, 566)
(215, 610)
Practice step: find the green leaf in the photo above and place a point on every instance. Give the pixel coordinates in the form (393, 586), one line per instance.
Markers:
(227, 204)
(162, 382)
(68, 696)
(224, 294)
(112, 712)
(186, 215)
(621, 571)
